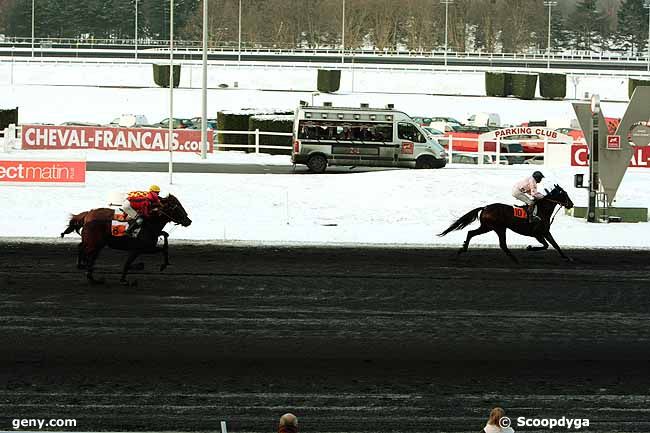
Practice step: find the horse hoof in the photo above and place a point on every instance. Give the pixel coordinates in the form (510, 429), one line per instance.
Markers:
(529, 248)
(124, 282)
(62, 234)
(163, 267)
(569, 259)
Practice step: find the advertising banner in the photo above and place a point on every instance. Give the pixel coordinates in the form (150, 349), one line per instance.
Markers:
(580, 156)
(109, 138)
(42, 172)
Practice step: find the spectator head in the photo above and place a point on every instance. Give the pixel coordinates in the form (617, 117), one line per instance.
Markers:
(288, 423)
(495, 416)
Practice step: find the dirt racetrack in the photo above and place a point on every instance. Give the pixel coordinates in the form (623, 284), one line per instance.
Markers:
(351, 340)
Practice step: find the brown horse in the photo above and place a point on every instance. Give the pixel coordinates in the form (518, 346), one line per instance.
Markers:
(500, 217)
(96, 234)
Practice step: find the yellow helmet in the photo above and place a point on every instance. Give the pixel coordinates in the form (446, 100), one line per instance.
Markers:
(154, 188)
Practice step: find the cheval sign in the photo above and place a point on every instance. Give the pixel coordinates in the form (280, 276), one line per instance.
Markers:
(580, 156)
(106, 138)
(42, 172)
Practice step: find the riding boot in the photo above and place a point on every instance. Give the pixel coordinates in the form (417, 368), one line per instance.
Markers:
(133, 225)
(532, 218)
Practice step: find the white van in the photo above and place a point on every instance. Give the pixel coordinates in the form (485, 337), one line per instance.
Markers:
(362, 136)
(491, 120)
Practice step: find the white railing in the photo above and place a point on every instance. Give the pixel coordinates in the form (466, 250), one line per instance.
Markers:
(494, 157)
(10, 139)
(257, 146)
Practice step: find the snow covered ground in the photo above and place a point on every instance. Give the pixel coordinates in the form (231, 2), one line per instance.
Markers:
(391, 207)
(404, 207)
(59, 92)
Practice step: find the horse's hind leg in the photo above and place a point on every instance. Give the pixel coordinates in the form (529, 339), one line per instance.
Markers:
(542, 241)
(502, 243)
(165, 252)
(470, 234)
(80, 256)
(129, 260)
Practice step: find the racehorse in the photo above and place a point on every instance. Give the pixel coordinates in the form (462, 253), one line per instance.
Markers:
(500, 217)
(96, 234)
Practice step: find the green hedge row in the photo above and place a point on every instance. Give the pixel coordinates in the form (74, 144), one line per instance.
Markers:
(499, 84)
(240, 121)
(272, 123)
(7, 117)
(329, 80)
(161, 75)
(552, 86)
(633, 83)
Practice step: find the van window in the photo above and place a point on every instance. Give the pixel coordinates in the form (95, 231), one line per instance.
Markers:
(408, 131)
(345, 131)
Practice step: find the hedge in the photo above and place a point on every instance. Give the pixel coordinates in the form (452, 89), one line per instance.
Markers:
(329, 80)
(495, 83)
(272, 123)
(7, 117)
(232, 122)
(524, 85)
(239, 121)
(633, 83)
(552, 86)
(161, 75)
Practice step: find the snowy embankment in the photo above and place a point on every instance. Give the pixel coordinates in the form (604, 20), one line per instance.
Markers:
(405, 207)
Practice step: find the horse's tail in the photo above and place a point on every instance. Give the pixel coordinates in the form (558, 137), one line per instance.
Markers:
(75, 224)
(463, 221)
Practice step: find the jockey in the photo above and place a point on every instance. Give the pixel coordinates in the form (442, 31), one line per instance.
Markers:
(526, 191)
(139, 205)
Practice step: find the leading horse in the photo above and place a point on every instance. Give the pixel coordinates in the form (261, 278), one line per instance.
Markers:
(499, 217)
(95, 226)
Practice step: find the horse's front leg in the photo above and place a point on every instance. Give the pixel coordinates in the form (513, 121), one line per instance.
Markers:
(129, 260)
(550, 238)
(165, 251)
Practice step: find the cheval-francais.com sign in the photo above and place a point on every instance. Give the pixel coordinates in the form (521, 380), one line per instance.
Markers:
(108, 138)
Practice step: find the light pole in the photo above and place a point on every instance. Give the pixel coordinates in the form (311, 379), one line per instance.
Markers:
(239, 37)
(204, 85)
(136, 29)
(446, 3)
(550, 4)
(593, 159)
(646, 5)
(33, 28)
(170, 132)
(343, 35)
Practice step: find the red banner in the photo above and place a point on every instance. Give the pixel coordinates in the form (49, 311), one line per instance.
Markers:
(580, 156)
(42, 171)
(108, 138)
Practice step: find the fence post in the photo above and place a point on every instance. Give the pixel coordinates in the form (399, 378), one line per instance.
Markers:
(450, 147)
(257, 140)
(481, 151)
(498, 149)
(545, 150)
(5, 140)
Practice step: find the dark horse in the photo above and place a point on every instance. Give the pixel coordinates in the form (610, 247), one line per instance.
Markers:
(500, 217)
(96, 234)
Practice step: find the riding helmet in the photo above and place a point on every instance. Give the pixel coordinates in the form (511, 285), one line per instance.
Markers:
(156, 188)
(538, 176)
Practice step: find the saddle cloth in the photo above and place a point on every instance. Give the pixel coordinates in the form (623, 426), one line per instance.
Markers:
(119, 223)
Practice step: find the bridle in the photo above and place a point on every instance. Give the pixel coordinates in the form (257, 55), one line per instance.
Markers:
(556, 210)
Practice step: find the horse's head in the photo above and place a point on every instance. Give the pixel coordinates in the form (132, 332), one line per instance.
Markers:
(559, 195)
(174, 210)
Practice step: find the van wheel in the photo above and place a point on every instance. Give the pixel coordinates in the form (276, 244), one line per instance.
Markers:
(317, 163)
(424, 162)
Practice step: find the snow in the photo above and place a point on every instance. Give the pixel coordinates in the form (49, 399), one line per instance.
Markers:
(397, 207)
(406, 207)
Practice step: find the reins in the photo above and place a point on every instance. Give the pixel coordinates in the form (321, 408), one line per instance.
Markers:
(556, 211)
